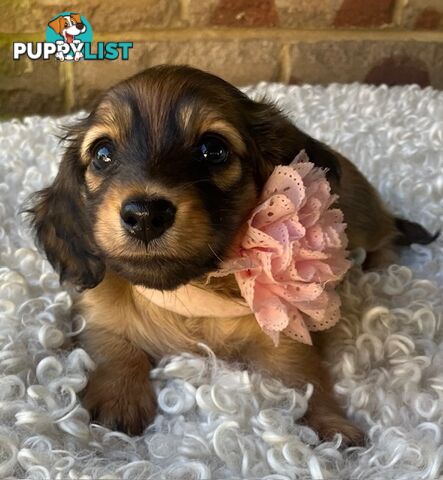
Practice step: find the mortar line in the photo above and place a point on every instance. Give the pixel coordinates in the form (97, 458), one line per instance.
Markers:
(285, 63)
(287, 35)
(397, 14)
(66, 70)
(184, 10)
(228, 34)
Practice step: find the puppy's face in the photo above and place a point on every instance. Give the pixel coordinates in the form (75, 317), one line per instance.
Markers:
(168, 178)
(69, 24)
(157, 181)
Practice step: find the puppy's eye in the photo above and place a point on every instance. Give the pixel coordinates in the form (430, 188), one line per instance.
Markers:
(102, 155)
(212, 149)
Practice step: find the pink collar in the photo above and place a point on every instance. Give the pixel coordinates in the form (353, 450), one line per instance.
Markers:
(192, 301)
(291, 257)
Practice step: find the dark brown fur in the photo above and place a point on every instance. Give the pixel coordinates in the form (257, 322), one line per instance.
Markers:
(155, 120)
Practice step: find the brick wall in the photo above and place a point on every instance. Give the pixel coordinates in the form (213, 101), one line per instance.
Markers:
(244, 41)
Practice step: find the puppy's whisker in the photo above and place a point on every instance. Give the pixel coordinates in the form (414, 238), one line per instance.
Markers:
(215, 253)
(182, 303)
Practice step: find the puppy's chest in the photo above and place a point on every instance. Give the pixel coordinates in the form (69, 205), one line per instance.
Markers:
(160, 332)
(163, 333)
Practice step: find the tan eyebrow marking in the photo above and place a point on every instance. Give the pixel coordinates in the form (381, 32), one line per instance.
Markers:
(203, 119)
(93, 134)
(225, 129)
(185, 115)
(113, 121)
(230, 175)
(212, 122)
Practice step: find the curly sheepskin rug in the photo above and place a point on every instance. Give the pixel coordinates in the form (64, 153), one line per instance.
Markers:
(216, 421)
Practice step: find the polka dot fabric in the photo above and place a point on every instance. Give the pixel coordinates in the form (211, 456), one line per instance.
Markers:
(293, 254)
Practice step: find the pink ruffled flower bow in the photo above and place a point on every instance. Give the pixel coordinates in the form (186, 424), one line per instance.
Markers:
(293, 254)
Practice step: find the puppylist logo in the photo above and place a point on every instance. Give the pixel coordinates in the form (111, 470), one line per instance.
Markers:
(69, 37)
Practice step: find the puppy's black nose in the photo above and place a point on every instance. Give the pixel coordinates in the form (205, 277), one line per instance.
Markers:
(80, 25)
(147, 218)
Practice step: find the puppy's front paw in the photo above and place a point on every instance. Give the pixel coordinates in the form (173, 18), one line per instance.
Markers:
(124, 403)
(328, 425)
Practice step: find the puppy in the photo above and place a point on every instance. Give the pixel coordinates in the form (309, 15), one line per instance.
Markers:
(153, 187)
(68, 26)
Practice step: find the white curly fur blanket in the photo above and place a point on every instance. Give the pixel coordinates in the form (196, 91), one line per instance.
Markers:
(214, 421)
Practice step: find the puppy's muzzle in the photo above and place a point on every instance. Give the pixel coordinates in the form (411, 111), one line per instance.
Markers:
(147, 218)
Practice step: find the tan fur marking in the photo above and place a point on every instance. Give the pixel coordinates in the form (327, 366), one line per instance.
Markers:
(229, 176)
(185, 115)
(93, 134)
(93, 182)
(225, 129)
(108, 230)
(113, 122)
(210, 122)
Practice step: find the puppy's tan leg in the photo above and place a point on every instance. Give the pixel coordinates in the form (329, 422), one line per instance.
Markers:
(296, 365)
(119, 393)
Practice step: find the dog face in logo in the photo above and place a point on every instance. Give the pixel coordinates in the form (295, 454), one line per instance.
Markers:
(68, 26)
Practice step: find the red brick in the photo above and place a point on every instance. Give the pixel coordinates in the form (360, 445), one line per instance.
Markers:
(399, 70)
(307, 13)
(364, 13)
(284, 13)
(422, 15)
(368, 61)
(428, 19)
(245, 13)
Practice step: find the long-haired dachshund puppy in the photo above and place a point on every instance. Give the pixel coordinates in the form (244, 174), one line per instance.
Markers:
(152, 189)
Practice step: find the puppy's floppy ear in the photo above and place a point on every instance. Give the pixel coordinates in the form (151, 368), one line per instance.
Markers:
(62, 225)
(57, 24)
(76, 17)
(279, 141)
